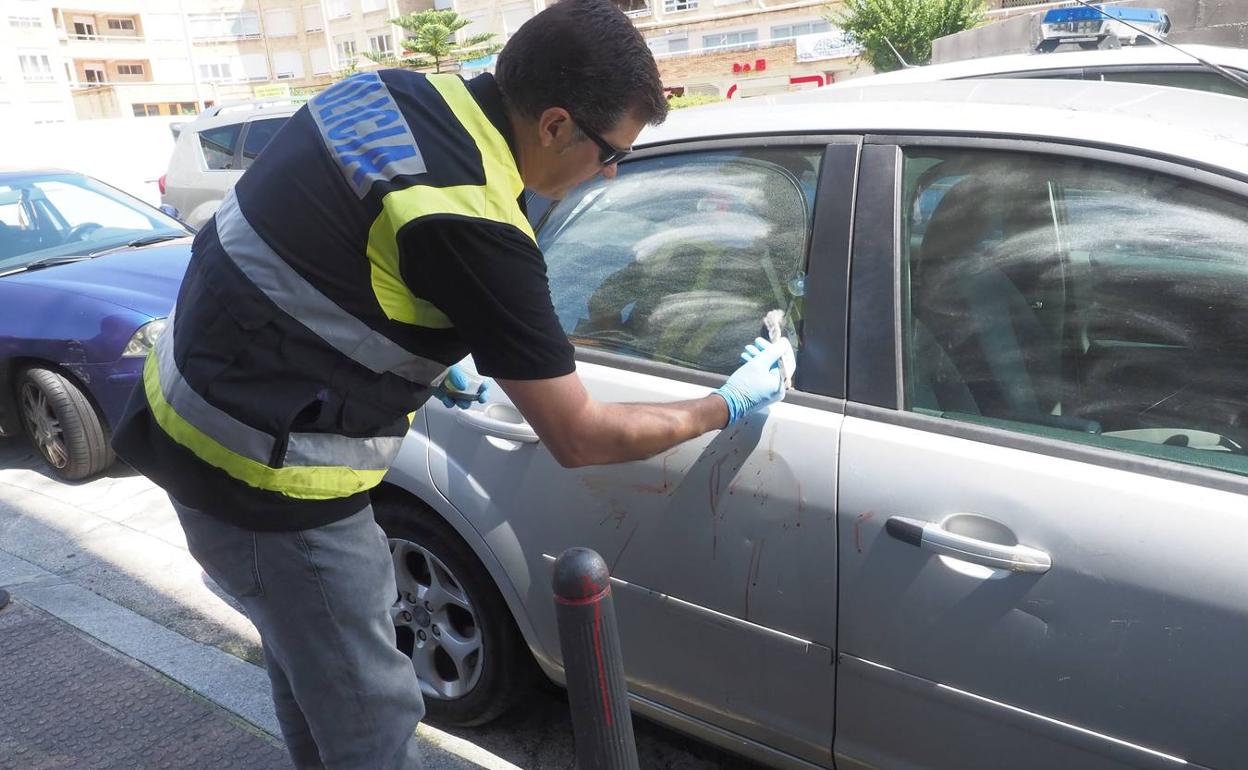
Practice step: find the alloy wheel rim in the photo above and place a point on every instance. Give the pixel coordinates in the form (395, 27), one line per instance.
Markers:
(435, 623)
(43, 426)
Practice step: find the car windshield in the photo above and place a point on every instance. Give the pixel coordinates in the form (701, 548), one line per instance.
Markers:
(56, 215)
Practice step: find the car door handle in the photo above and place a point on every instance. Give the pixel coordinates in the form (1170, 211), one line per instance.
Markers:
(930, 536)
(500, 421)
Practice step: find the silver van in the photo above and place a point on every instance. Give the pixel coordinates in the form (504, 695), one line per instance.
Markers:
(213, 151)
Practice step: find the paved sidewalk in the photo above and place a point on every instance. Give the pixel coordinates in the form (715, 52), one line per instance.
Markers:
(70, 702)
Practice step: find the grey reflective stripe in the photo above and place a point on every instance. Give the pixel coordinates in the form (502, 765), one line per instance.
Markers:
(301, 301)
(364, 454)
(365, 132)
(235, 436)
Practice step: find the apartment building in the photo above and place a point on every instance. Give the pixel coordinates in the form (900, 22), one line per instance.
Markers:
(62, 59)
(33, 86)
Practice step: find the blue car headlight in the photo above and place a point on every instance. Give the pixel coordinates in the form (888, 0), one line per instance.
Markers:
(145, 338)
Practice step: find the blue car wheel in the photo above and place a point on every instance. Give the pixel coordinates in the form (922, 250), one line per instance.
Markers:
(62, 424)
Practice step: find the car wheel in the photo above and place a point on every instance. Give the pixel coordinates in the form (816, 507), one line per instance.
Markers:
(450, 619)
(62, 424)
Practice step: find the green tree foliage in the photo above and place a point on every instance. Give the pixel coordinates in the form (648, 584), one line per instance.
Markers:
(692, 100)
(910, 25)
(431, 40)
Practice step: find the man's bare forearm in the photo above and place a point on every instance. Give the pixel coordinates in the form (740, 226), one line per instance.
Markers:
(624, 432)
(578, 430)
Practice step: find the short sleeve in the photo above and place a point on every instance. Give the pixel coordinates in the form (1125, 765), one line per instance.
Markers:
(490, 280)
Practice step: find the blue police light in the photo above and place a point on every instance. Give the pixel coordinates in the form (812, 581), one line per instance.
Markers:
(1100, 25)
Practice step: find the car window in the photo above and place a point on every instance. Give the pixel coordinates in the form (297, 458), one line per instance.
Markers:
(678, 259)
(1194, 79)
(218, 145)
(259, 132)
(61, 214)
(1078, 300)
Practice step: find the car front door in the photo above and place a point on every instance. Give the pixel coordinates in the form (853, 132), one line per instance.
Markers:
(1044, 462)
(723, 547)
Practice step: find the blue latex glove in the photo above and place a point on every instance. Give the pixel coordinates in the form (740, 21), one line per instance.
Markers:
(453, 390)
(758, 382)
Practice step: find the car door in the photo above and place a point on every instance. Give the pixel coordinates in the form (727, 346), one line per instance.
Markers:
(1044, 474)
(723, 548)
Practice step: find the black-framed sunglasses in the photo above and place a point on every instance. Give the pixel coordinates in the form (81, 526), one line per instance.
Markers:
(608, 154)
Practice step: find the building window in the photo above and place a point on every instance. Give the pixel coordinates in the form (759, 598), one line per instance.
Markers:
(84, 30)
(25, 22)
(338, 8)
(94, 75)
(731, 41)
(373, 5)
(279, 22)
(288, 65)
(129, 69)
(344, 48)
(673, 6)
(224, 25)
(35, 67)
(380, 43)
(633, 7)
(313, 19)
(790, 31)
(126, 25)
(214, 71)
(163, 108)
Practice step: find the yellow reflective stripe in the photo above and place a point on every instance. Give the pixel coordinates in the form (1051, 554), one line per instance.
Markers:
(302, 482)
(496, 201)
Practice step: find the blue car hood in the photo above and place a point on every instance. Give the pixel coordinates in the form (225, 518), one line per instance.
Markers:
(144, 280)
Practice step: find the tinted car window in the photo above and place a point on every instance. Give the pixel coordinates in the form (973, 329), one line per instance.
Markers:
(1197, 80)
(218, 145)
(1079, 300)
(259, 132)
(678, 258)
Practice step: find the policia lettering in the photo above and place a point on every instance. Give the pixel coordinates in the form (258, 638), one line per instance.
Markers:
(365, 132)
(370, 141)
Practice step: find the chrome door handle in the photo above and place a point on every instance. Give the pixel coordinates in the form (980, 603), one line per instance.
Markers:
(500, 421)
(930, 536)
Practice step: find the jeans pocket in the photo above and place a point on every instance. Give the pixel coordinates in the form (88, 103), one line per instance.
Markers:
(227, 553)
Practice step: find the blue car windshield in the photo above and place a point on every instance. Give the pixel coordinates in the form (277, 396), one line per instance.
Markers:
(48, 216)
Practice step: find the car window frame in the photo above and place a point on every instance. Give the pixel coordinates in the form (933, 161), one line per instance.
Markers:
(821, 372)
(235, 159)
(875, 357)
(239, 157)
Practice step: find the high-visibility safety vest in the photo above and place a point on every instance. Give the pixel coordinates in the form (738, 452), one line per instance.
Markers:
(297, 351)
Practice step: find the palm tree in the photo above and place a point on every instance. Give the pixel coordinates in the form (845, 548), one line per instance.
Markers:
(431, 36)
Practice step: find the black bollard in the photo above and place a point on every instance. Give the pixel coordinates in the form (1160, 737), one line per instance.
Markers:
(597, 694)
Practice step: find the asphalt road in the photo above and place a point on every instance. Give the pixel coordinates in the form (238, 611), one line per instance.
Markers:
(117, 536)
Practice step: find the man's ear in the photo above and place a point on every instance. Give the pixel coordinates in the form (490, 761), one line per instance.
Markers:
(554, 127)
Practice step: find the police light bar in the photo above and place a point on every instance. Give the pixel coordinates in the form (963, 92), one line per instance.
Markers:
(1068, 25)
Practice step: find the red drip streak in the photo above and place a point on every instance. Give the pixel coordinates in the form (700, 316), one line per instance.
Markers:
(602, 671)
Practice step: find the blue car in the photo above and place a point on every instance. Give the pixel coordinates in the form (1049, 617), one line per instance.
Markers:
(88, 275)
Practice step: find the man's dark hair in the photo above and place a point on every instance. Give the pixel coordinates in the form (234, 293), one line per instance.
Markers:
(586, 57)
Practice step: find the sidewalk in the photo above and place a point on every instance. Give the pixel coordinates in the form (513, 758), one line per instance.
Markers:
(70, 702)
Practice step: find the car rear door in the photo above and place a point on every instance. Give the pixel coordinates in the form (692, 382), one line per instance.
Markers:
(724, 547)
(1044, 474)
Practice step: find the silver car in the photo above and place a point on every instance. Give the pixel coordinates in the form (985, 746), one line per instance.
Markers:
(999, 522)
(211, 153)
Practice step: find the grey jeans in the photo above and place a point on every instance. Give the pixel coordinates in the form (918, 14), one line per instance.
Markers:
(346, 697)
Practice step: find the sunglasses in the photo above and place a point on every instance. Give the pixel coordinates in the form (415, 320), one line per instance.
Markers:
(608, 154)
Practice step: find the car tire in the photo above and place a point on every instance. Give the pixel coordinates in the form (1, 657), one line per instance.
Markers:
(62, 424)
(504, 669)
